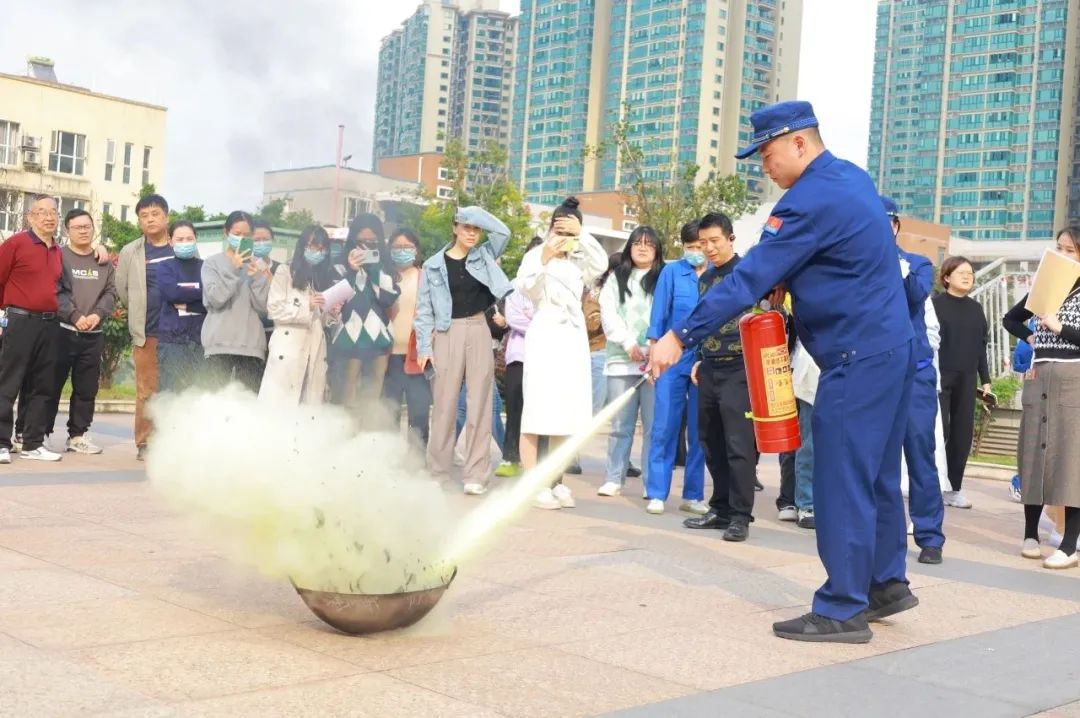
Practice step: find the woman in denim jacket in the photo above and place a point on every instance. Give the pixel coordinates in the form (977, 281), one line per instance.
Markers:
(457, 287)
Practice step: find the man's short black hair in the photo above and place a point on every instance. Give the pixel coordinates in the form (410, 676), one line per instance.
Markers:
(75, 214)
(717, 219)
(152, 200)
(688, 233)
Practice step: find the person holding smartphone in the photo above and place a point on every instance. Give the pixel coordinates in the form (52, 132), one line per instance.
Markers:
(235, 290)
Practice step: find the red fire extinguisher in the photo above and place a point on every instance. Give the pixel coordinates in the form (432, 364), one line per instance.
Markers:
(768, 375)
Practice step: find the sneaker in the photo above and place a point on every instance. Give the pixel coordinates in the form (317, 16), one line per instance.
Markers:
(475, 489)
(141, 456)
(5, 456)
(956, 499)
(694, 506)
(758, 486)
(41, 454)
(1059, 559)
(819, 629)
(546, 500)
(789, 513)
(82, 445)
(889, 599)
(633, 472)
(1014, 489)
(910, 528)
(930, 555)
(656, 506)
(610, 488)
(1031, 549)
(645, 494)
(562, 494)
(806, 519)
(737, 531)
(508, 469)
(574, 469)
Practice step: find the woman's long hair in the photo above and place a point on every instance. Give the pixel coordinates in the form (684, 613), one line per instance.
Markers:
(626, 262)
(369, 221)
(319, 277)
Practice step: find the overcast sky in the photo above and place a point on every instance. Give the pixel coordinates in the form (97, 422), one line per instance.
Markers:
(254, 85)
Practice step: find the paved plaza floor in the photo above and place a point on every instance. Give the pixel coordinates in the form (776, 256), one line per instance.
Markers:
(112, 605)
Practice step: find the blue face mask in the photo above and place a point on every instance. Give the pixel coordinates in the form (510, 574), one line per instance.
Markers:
(314, 257)
(694, 259)
(235, 240)
(337, 253)
(262, 249)
(403, 257)
(185, 250)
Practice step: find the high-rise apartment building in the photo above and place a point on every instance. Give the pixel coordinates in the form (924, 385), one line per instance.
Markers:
(446, 72)
(687, 73)
(974, 114)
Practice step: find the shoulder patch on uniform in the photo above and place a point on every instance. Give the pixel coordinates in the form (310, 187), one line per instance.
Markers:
(773, 224)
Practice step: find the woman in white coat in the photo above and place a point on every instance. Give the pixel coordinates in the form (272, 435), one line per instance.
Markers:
(296, 361)
(557, 380)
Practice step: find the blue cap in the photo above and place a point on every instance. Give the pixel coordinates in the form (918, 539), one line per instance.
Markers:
(480, 217)
(776, 120)
(890, 206)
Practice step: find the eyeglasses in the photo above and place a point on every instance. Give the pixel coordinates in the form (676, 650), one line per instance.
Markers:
(46, 213)
(644, 243)
(81, 228)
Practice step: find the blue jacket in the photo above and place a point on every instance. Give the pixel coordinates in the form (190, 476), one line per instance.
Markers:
(833, 246)
(1024, 352)
(433, 301)
(917, 287)
(180, 282)
(675, 297)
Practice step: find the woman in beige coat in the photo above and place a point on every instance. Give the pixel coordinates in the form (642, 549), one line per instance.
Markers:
(296, 357)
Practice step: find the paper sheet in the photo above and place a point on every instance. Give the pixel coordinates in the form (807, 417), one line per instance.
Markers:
(1053, 281)
(340, 293)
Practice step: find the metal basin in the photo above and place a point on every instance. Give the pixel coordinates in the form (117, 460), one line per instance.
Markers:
(362, 613)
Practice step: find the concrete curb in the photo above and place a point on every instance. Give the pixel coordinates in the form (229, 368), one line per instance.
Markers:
(993, 472)
(114, 406)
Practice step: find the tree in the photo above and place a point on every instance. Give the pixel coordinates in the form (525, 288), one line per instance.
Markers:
(476, 178)
(116, 233)
(665, 204)
(275, 214)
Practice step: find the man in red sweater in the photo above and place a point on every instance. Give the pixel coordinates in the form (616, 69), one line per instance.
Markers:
(30, 266)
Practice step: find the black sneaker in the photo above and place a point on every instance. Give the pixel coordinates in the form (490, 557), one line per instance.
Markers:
(758, 486)
(806, 519)
(633, 472)
(574, 469)
(739, 530)
(141, 456)
(890, 599)
(819, 629)
(930, 554)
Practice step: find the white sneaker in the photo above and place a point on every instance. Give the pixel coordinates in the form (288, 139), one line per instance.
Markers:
(1059, 559)
(656, 506)
(694, 506)
(956, 499)
(41, 454)
(475, 489)
(610, 488)
(910, 528)
(82, 445)
(562, 494)
(1031, 549)
(546, 500)
(789, 513)
(5, 456)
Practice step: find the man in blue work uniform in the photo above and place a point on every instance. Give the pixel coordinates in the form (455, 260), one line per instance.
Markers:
(924, 489)
(830, 242)
(676, 294)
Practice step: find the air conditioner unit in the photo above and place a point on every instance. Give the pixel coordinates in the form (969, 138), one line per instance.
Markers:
(31, 143)
(31, 159)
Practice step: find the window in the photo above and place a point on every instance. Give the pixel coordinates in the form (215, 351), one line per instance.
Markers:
(123, 213)
(443, 192)
(110, 159)
(68, 153)
(629, 225)
(128, 149)
(66, 204)
(146, 165)
(106, 208)
(355, 206)
(10, 209)
(444, 174)
(9, 151)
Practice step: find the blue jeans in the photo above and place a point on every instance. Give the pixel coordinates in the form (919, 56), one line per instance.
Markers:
(623, 425)
(804, 459)
(498, 429)
(599, 381)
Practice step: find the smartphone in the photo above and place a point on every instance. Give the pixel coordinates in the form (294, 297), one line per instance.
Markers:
(247, 246)
(371, 256)
(572, 244)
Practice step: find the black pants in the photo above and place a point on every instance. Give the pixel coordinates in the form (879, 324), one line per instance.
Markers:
(223, 368)
(415, 391)
(28, 364)
(78, 356)
(727, 436)
(958, 420)
(787, 481)
(515, 402)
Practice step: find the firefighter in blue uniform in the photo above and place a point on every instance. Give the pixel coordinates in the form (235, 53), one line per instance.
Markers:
(924, 488)
(832, 246)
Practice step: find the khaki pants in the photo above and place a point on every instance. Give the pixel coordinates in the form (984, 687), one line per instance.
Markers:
(462, 353)
(146, 385)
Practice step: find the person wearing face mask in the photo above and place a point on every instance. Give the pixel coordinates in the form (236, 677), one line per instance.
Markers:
(296, 358)
(676, 396)
(234, 294)
(261, 247)
(405, 381)
(180, 350)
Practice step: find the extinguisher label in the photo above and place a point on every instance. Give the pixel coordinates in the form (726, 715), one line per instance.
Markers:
(779, 391)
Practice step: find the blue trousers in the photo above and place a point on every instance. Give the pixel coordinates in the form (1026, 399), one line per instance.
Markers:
(804, 459)
(924, 488)
(860, 418)
(675, 396)
(498, 429)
